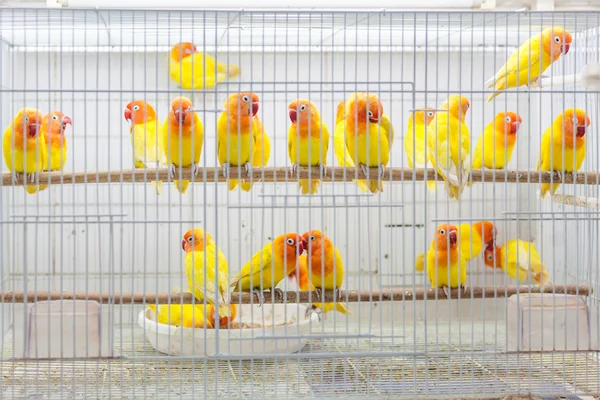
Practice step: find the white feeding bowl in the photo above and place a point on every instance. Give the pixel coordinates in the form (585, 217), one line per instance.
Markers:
(277, 329)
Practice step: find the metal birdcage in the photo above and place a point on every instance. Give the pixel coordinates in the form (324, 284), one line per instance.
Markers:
(84, 261)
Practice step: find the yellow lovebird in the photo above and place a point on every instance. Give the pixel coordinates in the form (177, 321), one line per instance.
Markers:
(270, 265)
(183, 137)
(449, 144)
(446, 267)
(472, 238)
(53, 134)
(183, 315)
(530, 60)
(368, 134)
(339, 144)
(519, 259)
(308, 142)
(148, 145)
(499, 139)
(23, 148)
(566, 132)
(190, 69)
(415, 136)
(241, 138)
(204, 258)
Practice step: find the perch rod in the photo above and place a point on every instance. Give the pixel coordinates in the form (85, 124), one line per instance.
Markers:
(579, 201)
(281, 174)
(398, 294)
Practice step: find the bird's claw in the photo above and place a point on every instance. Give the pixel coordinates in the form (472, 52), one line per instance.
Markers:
(319, 293)
(323, 170)
(446, 290)
(226, 169)
(464, 289)
(261, 297)
(172, 170)
(195, 169)
(364, 169)
(276, 292)
(381, 171)
(247, 170)
(31, 177)
(314, 310)
(294, 169)
(536, 83)
(15, 178)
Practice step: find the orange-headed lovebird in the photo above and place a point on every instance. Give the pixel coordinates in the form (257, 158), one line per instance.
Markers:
(183, 137)
(204, 258)
(339, 144)
(415, 136)
(446, 267)
(530, 60)
(183, 315)
(472, 238)
(270, 265)
(241, 138)
(563, 145)
(368, 134)
(191, 69)
(23, 148)
(499, 139)
(308, 142)
(53, 130)
(448, 142)
(519, 259)
(147, 143)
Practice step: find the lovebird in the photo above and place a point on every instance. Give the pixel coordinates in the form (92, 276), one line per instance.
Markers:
(241, 138)
(339, 144)
(181, 129)
(308, 142)
(530, 60)
(191, 69)
(53, 130)
(415, 136)
(446, 267)
(183, 315)
(23, 148)
(449, 144)
(270, 265)
(148, 145)
(566, 132)
(499, 139)
(519, 259)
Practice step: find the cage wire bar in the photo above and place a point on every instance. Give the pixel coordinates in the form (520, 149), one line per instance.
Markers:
(100, 233)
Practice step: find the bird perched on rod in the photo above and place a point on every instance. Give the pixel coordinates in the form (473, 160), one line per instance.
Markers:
(530, 60)
(148, 145)
(23, 148)
(414, 136)
(446, 267)
(499, 139)
(449, 144)
(270, 265)
(308, 142)
(241, 138)
(191, 69)
(53, 134)
(519, 259)
(563, 145)
(183, 137)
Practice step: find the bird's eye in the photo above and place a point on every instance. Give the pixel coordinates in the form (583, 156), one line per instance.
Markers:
(55, 117)
(188, 51)
(557, 39)
(302, 107)
(442, 232)
(191, 239)
(246, 99)
(290, 242)
(26, 119)
(313, 237)
(136, 108)
(430, 113)
(370, 113)
(508, 119)
(489, 257)
(575, 120)
(189, 108)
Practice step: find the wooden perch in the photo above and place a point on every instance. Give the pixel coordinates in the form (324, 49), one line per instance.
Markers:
(281, 174)
(579, 201)
(297, 297)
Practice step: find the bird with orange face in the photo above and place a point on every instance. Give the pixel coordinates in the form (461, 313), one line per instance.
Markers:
(321, 268)
(23, 148)
(495, 146)
(308, 142)
(191, 69)
(472, 238)
(206, 268)
(53, 130)
(415, 137)
(519, 259)
(448, 142)
(241, 139)
(563, 145)
(183, 137)
(183, 315)
(446, 267)
(270, 265)
(530, 60)
(147, 143)
(368, 134)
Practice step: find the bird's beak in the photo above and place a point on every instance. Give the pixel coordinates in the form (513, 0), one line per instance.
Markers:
(453, 237)
(127, 114)
(565, 48)
(180, 115)
(254, 109)
(293, 115)
(581, 131)
(514, 127)
(301, 247)
(67, 120)
(33, 129)
(305, 244)
(183, 243)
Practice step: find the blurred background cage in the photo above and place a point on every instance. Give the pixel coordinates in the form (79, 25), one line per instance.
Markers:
(119, 241)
